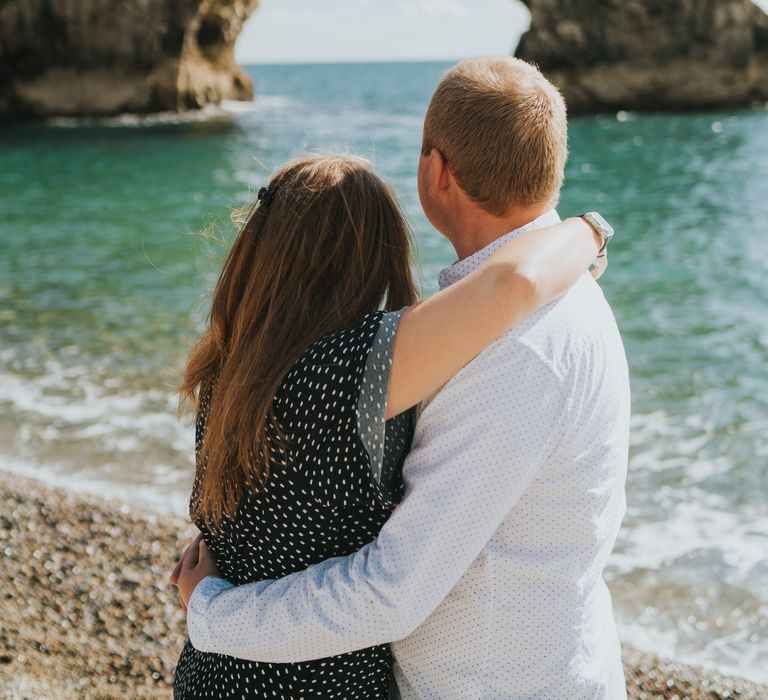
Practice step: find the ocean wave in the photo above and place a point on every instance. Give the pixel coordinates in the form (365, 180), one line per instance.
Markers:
(227, 111)
(260, 102)
(154, 496)
(94, 433)
(701, 523)
(688, 574)
(68, 397)
(732, 655)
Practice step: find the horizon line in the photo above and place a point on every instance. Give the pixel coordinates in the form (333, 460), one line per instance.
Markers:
(349, 61)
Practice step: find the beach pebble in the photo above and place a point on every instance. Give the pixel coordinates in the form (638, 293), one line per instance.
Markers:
(87, 611)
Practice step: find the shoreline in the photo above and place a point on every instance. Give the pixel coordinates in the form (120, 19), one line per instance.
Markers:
(87, 612)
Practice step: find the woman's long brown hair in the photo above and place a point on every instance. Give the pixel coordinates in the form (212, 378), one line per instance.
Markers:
(331, 245)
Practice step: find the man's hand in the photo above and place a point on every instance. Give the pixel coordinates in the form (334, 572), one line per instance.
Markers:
(196, 563)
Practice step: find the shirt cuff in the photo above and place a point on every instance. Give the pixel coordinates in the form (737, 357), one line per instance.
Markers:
(197, 609)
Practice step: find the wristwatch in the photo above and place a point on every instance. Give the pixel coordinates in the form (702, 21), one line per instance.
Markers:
(601, 227)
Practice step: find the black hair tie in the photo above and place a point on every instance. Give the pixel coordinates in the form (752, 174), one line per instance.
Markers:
(265, 195)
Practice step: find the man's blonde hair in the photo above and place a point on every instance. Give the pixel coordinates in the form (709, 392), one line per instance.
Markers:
(502, 128)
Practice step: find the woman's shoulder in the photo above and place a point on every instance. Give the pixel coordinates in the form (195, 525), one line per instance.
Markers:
(347, 342)
(340, 355)
(331, 369)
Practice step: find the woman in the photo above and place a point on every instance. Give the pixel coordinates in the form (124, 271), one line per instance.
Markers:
(304, 397)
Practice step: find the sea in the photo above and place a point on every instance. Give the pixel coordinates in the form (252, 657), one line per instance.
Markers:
(112, 233)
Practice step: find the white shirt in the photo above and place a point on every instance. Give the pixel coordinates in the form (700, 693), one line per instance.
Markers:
(488, 576)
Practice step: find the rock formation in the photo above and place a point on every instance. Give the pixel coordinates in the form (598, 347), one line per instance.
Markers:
(650, 54)
(104, 57)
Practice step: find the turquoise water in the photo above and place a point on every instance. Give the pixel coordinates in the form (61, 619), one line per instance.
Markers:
(104, 276)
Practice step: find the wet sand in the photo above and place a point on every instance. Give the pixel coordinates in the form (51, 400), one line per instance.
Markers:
(87, 613)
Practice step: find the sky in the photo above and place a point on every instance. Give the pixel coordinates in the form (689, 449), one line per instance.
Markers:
(298, 31)
(308, 31)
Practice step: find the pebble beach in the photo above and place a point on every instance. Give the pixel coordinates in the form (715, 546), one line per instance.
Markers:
(87, 611)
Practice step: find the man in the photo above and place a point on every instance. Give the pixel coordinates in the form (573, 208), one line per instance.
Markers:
(487, 578)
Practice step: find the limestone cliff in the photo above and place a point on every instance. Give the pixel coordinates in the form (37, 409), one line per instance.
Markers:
(104, 57)
(650, 54)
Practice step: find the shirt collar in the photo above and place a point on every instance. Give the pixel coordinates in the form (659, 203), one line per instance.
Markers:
(460, 269)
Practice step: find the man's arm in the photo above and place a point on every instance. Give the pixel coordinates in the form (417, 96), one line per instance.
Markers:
(478, 446)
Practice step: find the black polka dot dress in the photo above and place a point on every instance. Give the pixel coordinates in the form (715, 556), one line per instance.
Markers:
(330, 496)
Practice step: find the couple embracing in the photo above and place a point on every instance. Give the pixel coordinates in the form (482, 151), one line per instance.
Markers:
(403, 498)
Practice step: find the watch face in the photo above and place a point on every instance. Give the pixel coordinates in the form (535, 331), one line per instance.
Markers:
(601, 224)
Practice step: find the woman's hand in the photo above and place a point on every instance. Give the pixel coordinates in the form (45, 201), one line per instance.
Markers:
(196, 564)
(600, 265)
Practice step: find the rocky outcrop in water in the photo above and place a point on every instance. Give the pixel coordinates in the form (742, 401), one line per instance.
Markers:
(650, 54)
(105, 57)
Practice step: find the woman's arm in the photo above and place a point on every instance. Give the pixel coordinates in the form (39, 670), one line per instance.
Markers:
(437, 337)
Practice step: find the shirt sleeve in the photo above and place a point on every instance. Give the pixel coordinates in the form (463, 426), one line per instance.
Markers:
(478, 446)
(372, 402)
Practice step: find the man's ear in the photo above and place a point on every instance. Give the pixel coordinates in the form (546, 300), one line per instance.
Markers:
(439, 175)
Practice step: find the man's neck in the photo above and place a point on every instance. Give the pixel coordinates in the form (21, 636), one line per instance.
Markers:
(479, 229)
